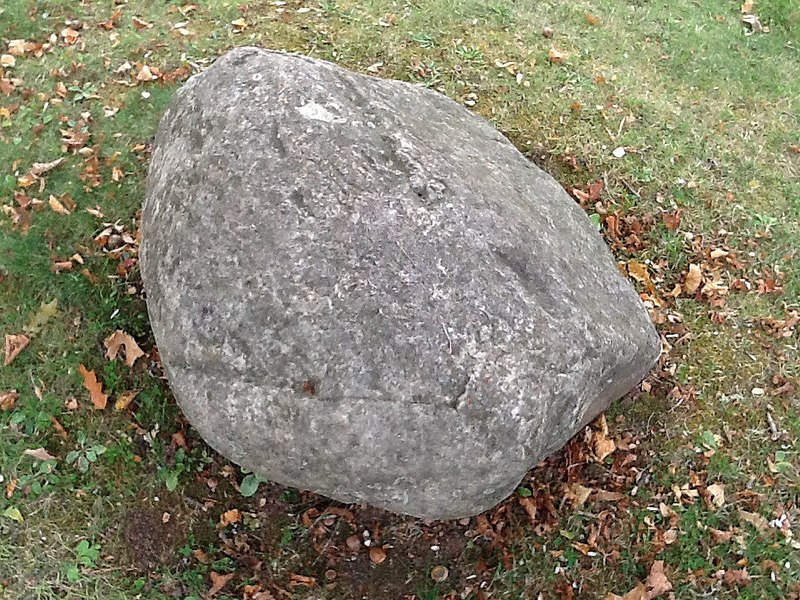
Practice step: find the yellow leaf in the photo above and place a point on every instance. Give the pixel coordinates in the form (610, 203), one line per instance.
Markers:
(39, 319)
(124, 400)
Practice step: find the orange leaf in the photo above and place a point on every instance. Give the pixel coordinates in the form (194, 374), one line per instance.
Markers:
(95, 388)
(530, 507)
(230, 516)
(377, 555)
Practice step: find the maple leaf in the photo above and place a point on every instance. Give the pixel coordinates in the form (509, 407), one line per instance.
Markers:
(14, 345)
(121, 340)
(95, 388)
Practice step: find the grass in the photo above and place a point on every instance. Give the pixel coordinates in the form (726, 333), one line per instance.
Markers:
(710, 121)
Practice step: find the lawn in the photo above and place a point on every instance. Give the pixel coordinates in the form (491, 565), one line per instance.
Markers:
(674, 124)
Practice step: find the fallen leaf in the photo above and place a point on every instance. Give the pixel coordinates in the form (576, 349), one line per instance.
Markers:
(56, 205)
(12, 512)
(218, 582)
(121, 340)
(40, 318)
(141, 23)
(229, 517)
(639, 272)
(754, 519)
(95, 388)
(717, 493)
(14, 345)
(530, 507)
(720, 537)
(736, 577)
(577, 493)
(606, 496)
(602, 446)
(747, 6)
(377, 555)
(657, 582)
(39, 454)
(670, 536)
(672, 221)
(556, 56)
(8, 399)
(7, 60)
(439, 573)
(694, 277)
(124, 400)
(239, 24)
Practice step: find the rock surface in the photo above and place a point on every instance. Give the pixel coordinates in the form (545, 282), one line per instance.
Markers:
(360, 288)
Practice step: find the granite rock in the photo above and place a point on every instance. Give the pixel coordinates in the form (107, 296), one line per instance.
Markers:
(360, 288)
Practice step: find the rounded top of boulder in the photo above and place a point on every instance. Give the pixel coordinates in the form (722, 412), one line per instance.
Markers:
(359, 287)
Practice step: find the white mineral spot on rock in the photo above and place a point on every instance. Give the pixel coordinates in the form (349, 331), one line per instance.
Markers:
(317, 112)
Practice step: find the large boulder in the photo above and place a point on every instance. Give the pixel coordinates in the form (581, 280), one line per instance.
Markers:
(360, 288)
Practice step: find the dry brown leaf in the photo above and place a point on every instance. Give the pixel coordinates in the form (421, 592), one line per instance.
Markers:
(672, 221)
(39, 454)
(639, 272)
(218, 582)
(41, 168)
(124, 400)
(8, 399)
(7, 60)
(717, 493)
(14, 345)
(606, 496)
(694, 277)
(56, 205)
(121, 340)
(577, 493)
(657, 582)
(754, 519)
(602, 446)
(95, 388)
(530, 507)
(720, 537)
(736, 577)
(747, 7)
(556, 56)
(377, 555)
(637, 593)
(670, 536)
(230, 516)
(141, 23)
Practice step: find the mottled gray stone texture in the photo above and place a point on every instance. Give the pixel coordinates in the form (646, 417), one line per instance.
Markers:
(360, 288)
